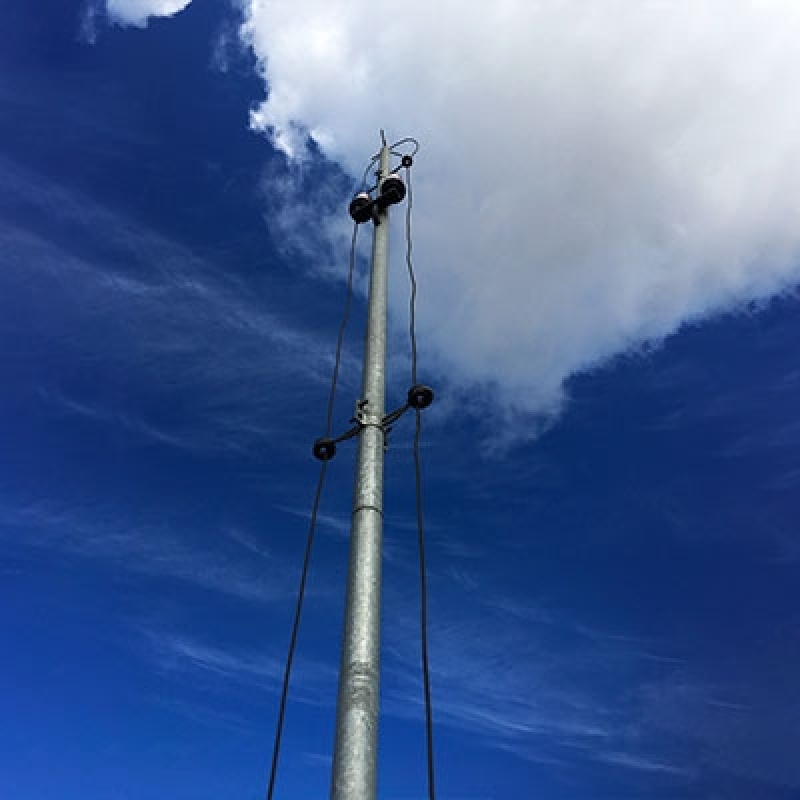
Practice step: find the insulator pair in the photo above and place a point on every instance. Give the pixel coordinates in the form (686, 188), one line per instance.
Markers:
(363, 207)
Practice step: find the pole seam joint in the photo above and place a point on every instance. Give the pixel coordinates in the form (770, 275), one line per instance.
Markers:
(367, 507)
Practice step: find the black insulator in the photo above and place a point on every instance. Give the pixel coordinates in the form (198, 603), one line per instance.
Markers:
(324, 449)
(406, 161)
(420, 396)
(393, 190)
(361, 208)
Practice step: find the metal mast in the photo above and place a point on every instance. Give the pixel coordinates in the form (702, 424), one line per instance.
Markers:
(356, 746)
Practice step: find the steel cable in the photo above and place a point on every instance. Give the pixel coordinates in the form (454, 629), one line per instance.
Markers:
(423, 579)
(273, 773)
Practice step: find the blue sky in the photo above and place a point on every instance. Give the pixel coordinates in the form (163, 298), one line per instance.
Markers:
(611, 498)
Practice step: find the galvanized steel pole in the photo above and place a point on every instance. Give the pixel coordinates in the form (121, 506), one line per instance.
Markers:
(356, 747)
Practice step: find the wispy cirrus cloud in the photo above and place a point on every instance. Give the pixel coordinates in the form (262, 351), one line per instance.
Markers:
(529, 680)
(146, 550)
(551, 688)
(641, 763)
(741, 720)
(175, 652)
(111, 292)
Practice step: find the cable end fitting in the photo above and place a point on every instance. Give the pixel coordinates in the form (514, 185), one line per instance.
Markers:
(420, 396)
(324, 449)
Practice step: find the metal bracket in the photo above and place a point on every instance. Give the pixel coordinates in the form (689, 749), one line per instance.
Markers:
(360, 414)
(419, 397)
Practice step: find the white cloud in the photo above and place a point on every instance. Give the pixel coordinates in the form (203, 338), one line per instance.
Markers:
(137, 12)
(592, 175)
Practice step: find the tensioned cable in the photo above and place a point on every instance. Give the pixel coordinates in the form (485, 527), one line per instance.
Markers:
(423, 606)
(423, 580)
(276, 747)
(273, 772)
